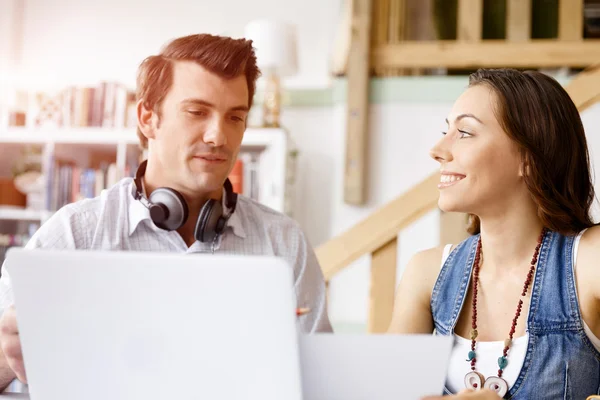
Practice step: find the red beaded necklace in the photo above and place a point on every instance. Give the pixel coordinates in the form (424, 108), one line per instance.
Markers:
(474, 379)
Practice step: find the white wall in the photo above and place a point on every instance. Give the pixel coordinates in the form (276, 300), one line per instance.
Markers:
(58, 44)
(9, 14)
(400, 138)
(83, 40)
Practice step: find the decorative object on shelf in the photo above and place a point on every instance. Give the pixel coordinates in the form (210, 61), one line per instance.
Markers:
(48, 110)
(30, 160)
(13, 108)
(276, 54)
(28, 177)
(32, 184)
(17, 118)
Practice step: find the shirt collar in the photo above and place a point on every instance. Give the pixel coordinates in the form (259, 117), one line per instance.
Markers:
(138, 213)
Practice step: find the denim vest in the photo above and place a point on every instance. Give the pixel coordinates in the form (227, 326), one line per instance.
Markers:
(560, 362)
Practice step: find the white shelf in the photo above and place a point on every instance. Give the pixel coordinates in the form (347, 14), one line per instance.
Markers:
(69, 135)
(256, 137)
(22, 214)
(272, 144)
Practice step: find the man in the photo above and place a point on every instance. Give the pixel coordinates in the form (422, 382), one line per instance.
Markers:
(193, 103)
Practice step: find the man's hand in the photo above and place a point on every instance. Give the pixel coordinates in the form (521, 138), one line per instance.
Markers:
(11, 343)
(467, 394)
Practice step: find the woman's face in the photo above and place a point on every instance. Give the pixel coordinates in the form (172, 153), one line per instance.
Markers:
(480, 164)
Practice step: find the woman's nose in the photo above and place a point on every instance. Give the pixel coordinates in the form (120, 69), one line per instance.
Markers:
(441, 152)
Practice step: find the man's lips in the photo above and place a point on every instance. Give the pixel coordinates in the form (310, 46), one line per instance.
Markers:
(211, 158)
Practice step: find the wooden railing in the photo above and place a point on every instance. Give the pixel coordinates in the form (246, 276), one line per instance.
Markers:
(377, 234)
(390, 48)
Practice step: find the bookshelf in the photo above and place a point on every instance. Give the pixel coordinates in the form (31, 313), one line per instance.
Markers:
(266, 153)
(10, 213)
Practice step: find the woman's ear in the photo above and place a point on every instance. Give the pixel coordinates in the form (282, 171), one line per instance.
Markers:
(524, 169)
(146, 120)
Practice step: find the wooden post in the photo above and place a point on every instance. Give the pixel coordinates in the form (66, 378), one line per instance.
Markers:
(397, 30)
(383, 286)
(380, 24)
(358, 104)
(396, 21)
(570, 19)
(518, 20)
(381, 16)
(469, 20)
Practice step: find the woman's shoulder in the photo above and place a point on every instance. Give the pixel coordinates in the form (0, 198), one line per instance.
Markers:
(412, 313)
(428, 261)
(429, 255)
(591, 235)
(588, 251)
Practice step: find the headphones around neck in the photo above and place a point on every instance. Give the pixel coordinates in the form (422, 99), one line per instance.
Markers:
(169, 210)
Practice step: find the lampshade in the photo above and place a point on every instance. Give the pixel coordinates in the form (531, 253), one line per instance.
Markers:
(275, 44)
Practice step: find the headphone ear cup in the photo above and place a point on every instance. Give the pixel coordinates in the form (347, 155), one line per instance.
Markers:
(208, 221)
(174, 206)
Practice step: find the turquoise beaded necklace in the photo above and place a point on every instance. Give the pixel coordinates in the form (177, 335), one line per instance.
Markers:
(474, 379)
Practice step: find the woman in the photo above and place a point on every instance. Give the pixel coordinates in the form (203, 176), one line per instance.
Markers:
(521, 294)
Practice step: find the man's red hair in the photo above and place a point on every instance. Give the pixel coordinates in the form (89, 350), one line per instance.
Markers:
(224, 56)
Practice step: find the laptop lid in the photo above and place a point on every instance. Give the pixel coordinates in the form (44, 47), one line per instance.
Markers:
(129, 325)
(382, 367)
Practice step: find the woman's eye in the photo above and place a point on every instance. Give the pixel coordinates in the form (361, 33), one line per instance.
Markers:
(462, 133)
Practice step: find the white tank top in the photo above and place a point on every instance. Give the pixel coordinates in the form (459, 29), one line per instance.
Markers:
(488, 352)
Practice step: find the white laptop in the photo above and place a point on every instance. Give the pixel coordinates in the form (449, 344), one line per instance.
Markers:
(172, 326)
(381, 367)
(148, 326)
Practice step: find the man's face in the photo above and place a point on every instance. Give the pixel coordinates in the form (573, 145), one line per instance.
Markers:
(196, 140)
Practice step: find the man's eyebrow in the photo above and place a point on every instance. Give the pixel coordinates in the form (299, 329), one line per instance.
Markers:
(205, 103)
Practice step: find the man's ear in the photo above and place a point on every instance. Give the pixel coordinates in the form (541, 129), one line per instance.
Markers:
(146, 120)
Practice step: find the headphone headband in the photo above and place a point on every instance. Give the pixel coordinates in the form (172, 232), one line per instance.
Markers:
(137, 180)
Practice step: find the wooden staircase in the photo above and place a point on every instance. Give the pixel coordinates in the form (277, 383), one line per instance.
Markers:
(377, 234)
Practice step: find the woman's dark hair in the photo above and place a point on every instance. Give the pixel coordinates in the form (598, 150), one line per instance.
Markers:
(539, 116)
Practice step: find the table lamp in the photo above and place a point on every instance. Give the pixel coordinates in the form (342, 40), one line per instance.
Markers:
(276, 54)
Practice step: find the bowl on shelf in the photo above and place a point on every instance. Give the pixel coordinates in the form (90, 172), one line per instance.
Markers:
(32, 185)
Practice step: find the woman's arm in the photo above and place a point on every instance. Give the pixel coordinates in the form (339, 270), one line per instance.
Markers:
(412, 311)
(587, 277)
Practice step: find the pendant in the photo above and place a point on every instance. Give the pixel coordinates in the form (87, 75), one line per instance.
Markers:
(474, 380)
(496, 384)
